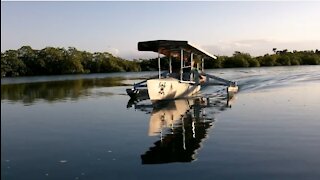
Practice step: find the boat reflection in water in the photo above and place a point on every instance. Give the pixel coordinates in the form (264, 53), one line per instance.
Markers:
(182, 125)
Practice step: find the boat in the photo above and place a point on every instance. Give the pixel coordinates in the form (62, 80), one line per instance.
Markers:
(184, 81)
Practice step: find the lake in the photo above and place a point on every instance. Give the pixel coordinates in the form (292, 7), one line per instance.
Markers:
(86, 127)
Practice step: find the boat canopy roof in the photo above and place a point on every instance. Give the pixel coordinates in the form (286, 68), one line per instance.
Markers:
(172, 48)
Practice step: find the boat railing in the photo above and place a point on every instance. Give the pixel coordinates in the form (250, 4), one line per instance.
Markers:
(184, 67)
(140, 84)
(189, 82)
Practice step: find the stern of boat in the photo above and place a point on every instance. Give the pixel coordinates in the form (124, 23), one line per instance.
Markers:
(170, 88)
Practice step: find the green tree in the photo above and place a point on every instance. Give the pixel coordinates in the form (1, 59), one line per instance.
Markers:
(218, 63)
(283, 60)
(253, 62)
(72, 63)
(86, 61)
(267, 60)
(11, 65)
(295, 60)
(53, 58)
(5, 67)
(310, 59)
(237, 60)
(34, 65)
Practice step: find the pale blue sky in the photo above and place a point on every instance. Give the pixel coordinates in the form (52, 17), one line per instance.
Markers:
(218, 27)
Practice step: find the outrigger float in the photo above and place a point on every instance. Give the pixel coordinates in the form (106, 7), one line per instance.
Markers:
(178, 83)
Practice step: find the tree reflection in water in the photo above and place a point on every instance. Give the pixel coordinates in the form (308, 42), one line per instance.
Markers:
(53, 91)
(182, 125)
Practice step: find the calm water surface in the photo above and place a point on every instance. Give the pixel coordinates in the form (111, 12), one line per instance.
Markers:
(85, 127)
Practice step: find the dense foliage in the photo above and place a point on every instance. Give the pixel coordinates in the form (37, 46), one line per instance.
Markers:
(238, 59)
(279, 58)
(27, 61)
(48, 61)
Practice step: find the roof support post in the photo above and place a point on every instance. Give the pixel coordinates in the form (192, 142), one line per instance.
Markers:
(202, 65)
(159, 65)
(170, 64)
(181, 58)
(191, 66)
(192, 63)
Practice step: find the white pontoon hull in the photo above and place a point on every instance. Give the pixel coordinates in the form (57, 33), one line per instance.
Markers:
(170, 88)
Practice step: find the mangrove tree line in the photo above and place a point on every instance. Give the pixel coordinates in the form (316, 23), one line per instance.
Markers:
(239, 59)
(49, 61)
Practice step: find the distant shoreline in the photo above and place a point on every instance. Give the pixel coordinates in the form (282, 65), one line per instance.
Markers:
(60, 61)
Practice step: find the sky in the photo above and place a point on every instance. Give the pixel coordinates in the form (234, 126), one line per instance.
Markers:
(219, 27)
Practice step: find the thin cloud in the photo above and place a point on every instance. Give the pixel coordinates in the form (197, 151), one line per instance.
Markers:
(258, 47)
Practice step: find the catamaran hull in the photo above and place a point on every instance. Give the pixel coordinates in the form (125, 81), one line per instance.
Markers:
(170, 88)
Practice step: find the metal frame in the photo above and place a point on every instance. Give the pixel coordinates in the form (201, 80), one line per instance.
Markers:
(171, 49)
